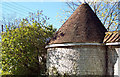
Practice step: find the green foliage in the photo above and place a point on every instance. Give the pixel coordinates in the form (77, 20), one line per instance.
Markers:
(23, 46)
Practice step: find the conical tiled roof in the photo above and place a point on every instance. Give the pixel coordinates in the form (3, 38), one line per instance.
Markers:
(82, 26)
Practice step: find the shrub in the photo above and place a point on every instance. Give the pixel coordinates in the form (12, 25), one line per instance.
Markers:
(23, 49)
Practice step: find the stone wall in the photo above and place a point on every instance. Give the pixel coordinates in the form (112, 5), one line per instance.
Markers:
(80, 60)
(113, 60)
(117, 66)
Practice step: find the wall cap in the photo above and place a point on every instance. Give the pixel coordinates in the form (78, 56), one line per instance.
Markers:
(115, 43)
(77, 44)
(72, 44)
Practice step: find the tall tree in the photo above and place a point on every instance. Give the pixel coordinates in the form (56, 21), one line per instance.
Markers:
(108, 12)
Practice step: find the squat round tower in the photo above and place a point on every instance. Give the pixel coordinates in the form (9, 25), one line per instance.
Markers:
(77, 47)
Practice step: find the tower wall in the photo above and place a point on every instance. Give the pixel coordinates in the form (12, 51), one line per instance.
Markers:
(113, 60)
(80, 60)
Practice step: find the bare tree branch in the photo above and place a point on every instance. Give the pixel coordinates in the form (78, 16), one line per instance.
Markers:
(109, 10)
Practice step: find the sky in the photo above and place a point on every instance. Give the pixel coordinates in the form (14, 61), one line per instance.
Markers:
(16, 10)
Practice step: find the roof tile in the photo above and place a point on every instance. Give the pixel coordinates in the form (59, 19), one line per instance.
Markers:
(112, 37)
(82, 26)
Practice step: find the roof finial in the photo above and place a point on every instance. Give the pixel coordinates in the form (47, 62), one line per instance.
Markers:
(84, 2)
